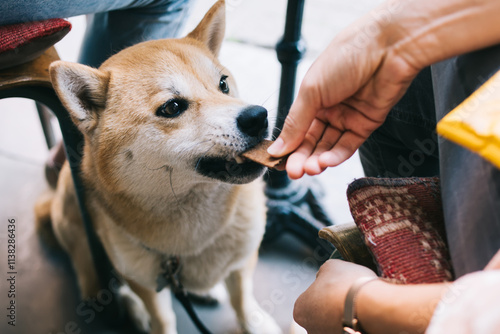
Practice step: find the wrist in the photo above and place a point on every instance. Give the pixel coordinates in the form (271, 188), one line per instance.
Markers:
(371, 306)
(350, 321)
(385, 307)
(428, 31)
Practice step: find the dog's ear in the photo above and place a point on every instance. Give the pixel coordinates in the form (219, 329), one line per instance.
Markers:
(210, 31)
(82, 90)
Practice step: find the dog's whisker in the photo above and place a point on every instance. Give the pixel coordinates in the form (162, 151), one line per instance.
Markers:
(213, 127)
(180, 207)
(165, 166)
(270, 95)
(180, 153)
(197, 143)
(173, 191)
(275, 128)
(188, 149)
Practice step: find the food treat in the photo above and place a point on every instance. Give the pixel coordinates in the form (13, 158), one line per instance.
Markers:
(259, 155)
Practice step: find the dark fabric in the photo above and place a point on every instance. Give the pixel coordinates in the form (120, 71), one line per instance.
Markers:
(112, 25)
(470, 184)
(406, 144)
(111, 31)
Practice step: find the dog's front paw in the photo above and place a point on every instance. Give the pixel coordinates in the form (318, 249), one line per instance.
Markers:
(136, 309)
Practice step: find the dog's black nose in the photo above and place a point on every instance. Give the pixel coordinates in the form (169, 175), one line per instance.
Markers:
(253, 121)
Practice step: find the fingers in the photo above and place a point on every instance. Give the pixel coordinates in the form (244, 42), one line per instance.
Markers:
(332, 149)
(329, 138)
(348, 143)
(296, 161)
(345, 129)
(323, 147)
(297, 123)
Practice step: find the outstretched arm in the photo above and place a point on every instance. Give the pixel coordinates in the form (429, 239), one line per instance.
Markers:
(382, 307)
(349, 90)
(387, 308)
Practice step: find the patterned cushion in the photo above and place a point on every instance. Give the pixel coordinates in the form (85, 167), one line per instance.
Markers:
(22, 42)
(402, 224)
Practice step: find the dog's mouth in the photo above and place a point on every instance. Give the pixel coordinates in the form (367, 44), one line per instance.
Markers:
(236, 170)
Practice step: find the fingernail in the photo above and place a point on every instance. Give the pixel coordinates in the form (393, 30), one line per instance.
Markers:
(276, 147)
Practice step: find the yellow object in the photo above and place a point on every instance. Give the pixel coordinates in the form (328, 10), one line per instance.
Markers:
(475, 123)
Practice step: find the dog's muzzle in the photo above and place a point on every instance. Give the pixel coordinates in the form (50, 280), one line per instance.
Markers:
(253, 125)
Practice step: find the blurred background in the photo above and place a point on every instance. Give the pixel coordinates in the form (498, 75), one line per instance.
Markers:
(48, 297)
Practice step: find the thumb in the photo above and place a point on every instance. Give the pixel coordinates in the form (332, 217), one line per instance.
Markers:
(296, 124)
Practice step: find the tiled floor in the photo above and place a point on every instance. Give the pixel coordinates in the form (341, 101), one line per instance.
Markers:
(46, 296)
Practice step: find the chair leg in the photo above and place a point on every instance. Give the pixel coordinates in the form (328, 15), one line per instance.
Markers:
(45, 119)
(73, 141)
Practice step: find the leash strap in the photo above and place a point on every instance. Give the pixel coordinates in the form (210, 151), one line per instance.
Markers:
(182, 297)
(169, 276)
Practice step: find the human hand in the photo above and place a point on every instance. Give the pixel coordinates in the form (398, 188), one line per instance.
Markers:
(349, 90)
(321, 307)
(346, 94)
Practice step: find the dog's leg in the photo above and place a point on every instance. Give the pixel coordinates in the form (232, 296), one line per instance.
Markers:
(85, 270)
(70, 233)
(135, 308)
(81, 259)
(253, 319)
(159, 307)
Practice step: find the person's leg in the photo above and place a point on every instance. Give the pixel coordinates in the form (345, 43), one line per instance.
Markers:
(16, 11)
(112, 24)
(112, 31)
(406, 144)
(470, 185)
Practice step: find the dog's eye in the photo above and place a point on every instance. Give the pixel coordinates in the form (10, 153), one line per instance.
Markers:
(172, 108)
(223, 86)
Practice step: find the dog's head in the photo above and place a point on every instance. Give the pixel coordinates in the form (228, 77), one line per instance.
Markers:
(165, 105)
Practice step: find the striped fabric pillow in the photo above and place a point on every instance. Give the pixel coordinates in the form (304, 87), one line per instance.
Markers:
(402, 223)
(22, 42)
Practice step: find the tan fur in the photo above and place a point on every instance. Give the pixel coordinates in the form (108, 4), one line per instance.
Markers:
(143, 193)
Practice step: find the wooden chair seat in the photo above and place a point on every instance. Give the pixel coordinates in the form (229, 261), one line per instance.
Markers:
(26, 51)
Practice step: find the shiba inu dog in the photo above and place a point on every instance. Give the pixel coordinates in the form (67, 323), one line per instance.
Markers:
(164, 130)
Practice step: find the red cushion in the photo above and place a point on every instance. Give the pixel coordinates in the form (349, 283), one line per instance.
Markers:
(15, 35)
(23, 42)
(403, 226)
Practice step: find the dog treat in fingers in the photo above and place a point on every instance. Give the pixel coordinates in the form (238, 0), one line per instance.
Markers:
(259, 155)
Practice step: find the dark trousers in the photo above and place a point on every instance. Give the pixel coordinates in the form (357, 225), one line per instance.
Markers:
(407, 145)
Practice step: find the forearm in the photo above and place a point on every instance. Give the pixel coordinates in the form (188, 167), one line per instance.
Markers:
(390, 308)
(424, 32)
